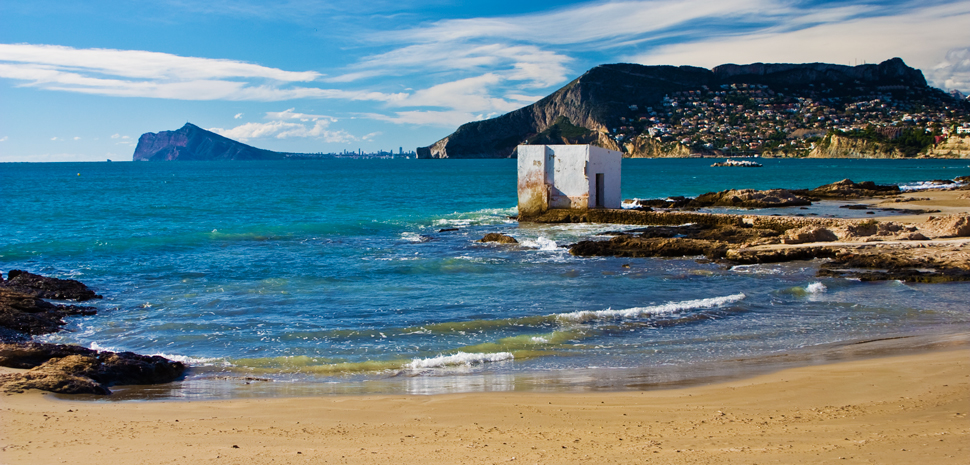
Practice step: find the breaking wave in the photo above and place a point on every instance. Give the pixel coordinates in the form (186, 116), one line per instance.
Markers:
(815, 288)
(458, 359)
(637, 312)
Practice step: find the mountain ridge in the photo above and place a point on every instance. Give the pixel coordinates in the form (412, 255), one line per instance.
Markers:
(597, 99)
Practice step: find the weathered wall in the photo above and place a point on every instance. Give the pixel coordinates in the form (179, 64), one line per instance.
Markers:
(569, 186)
(533, 194)
(609, 163)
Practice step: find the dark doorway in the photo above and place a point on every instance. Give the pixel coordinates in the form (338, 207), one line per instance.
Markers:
(599, 190)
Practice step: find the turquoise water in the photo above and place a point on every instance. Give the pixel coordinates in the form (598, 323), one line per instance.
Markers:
(337, 272)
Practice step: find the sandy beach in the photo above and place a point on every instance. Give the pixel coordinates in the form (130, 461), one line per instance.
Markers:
(901, 409)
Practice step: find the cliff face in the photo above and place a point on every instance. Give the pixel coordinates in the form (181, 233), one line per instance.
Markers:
(955, 147)
(597, 98)
(192, 143)
(834, 146)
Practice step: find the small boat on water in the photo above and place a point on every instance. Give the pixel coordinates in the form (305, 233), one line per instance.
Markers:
(739, 163)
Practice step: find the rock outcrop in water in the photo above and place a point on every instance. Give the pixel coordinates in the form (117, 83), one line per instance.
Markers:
(192, 143)
(77, 370)
(47, 288)
(62, 368)
(604, 97)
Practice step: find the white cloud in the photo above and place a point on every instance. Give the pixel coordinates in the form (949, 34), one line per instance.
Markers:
(116, 136)
(292, 114)
(953, 72)
(3, 139)
(920, 36)
(288, 124)
(371, 136)
(469, 95)
(238, 116)
(445, 119)
(137, 73)
(77, 138)
(53, 138)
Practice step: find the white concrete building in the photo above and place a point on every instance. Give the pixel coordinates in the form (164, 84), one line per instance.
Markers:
(567, 177)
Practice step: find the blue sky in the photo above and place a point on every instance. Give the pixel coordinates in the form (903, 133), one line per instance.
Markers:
(81, 80)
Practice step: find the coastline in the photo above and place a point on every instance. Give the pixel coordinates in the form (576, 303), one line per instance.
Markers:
(891, 409)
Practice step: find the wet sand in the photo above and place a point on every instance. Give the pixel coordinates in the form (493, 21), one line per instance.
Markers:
(900, 409)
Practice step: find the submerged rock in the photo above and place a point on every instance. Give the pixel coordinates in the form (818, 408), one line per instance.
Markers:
(499, 238)
(48, 288)
(886, 265)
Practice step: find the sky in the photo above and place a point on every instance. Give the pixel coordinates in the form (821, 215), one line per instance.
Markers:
(82, 80)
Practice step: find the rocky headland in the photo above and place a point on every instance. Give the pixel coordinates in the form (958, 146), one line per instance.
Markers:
(192, 143)
(934, 250)
(62, 368)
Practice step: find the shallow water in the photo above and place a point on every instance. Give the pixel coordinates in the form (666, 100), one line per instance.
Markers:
(338, 273)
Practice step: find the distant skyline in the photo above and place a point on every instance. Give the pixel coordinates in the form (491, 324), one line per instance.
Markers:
(81, 81)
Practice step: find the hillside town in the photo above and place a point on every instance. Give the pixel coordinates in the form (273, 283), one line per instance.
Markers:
(754, 119)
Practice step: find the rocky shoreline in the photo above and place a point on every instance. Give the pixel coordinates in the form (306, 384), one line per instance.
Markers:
(864, 249)
(60, 368)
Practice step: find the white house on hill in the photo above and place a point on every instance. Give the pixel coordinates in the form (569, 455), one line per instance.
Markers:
(574, 177)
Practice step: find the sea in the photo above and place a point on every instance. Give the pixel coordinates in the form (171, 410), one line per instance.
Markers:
(328, 277)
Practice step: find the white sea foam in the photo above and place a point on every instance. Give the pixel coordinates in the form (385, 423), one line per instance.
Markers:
(101, 348)
(755, 269)
(412, 237)
(815, 288)
(195, 361)
(919, 186)
(541, 243)
(459, 359)
(669, 307)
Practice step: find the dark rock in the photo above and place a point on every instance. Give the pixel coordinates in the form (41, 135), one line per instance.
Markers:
(27, 314)
(77, 370)
(48, 288)
(499, 238)
(34, 354)
(629, 246)
(749, 198)
(962, 179)
(447, 230)
(846, 189)
(752, 256)
(881, 267)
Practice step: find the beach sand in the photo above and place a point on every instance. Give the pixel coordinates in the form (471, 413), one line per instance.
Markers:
(899, 409)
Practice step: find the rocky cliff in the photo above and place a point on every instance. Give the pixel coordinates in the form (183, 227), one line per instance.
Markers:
(834, 146)
(597, 99)
(953, 147)
(192, 143)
